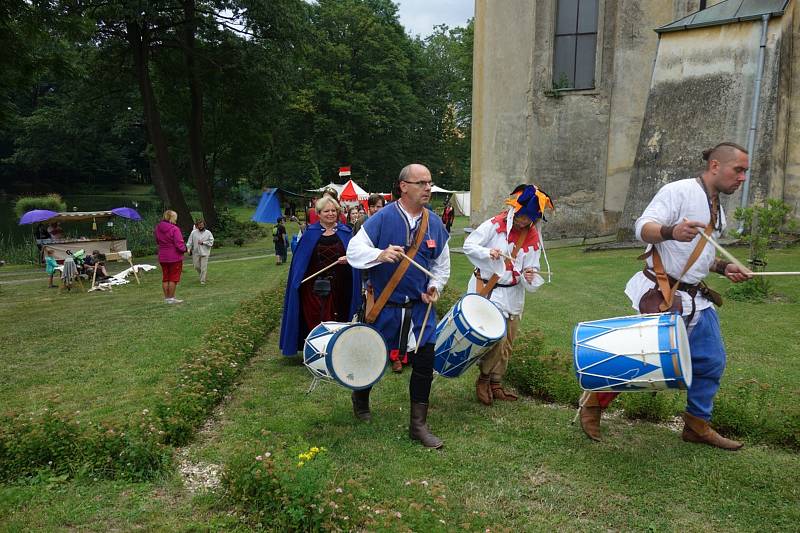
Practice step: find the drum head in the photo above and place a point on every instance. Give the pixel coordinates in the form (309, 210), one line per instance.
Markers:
(684, 352)
(483, 316)
(357, 356)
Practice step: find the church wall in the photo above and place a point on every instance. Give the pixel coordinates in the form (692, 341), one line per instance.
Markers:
(701, 94)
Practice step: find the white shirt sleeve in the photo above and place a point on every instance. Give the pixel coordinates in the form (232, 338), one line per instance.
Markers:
(189, 245)
(209, 240)
(361, 252)
(662, 209)
(475, 243)
(531, 260)
(440, 268)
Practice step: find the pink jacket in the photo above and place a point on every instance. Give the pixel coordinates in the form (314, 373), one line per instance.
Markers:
(170, 242)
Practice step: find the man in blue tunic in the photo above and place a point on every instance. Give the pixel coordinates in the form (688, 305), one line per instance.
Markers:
(403, 293)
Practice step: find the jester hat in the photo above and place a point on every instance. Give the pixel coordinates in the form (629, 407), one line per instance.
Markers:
(531, 201)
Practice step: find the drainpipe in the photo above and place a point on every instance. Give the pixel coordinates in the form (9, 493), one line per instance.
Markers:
(751, 134)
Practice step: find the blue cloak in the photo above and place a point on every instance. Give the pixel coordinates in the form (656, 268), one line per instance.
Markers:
(291, 323)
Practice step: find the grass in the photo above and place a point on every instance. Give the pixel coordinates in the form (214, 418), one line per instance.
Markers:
(108, 354)
(512, 467)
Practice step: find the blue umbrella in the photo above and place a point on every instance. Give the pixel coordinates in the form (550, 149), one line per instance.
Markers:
(127, 212)
(37, 215)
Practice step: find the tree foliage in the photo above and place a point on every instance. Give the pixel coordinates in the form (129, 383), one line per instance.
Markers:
(183, 93)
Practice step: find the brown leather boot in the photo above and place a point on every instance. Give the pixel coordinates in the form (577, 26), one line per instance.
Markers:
(498, 393)
(397, 366)
(360, 400)
(699, 431)
(418, 429)
(590, 414)
(483, 389)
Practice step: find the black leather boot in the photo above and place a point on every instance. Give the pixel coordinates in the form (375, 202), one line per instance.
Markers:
(418, 430)
(361, 404)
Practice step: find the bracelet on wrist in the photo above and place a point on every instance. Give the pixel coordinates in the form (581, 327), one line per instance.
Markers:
(720, 265)
(667, 233)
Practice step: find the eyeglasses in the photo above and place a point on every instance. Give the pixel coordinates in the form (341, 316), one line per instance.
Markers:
(422, 183)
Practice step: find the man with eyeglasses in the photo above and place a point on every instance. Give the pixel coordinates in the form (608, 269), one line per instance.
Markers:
(679, 258)
(402, 293)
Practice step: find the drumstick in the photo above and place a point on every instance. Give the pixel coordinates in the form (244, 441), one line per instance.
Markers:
(418, 266)
(723, 251)
(320, 272)
(424, 322)
(775, 273)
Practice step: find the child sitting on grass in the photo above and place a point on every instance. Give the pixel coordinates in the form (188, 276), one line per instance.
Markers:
(50, 266)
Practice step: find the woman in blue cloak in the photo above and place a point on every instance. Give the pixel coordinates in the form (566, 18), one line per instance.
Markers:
(306, 304)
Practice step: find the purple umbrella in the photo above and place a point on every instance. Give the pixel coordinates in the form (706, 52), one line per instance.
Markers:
(37, 215)
(127, 212)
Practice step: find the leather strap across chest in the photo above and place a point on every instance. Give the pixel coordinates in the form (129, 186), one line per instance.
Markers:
(486, 289)
(394, 281)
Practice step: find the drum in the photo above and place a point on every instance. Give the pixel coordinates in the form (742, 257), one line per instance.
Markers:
(465, 333)
(633, 353)
(353, 355)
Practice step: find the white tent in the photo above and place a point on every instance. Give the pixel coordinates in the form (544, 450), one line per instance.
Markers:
(461, 203)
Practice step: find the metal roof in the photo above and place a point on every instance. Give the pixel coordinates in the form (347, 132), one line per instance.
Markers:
(727, 12)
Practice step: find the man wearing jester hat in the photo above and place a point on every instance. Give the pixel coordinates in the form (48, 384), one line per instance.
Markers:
(505, 251)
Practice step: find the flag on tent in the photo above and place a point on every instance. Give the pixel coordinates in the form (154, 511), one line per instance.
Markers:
(344, 171)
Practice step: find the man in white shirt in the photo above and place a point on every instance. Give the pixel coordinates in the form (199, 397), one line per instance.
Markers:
(405, 227)
(671, 225)
(505, 251)
(199, 245)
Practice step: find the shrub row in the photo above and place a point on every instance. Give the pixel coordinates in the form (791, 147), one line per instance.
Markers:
(64, 444)
(744, 408)
(282, 490)
(210, 370)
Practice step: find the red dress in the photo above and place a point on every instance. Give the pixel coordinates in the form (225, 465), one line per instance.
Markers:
(336, 306)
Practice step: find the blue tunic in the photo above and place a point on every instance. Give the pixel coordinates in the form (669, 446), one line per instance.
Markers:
(291, 340)
(390, 227)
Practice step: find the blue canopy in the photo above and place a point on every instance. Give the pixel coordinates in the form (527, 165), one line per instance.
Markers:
(269, 208)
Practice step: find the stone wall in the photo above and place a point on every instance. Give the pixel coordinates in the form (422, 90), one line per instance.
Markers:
(702, 93)
(579, 146)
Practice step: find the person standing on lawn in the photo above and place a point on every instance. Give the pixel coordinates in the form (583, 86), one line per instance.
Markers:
(279, 239)
(170, 254)
(199, 245)
(403, 293)
(448, 215)
(671, 225)
(50, 265)
(505, 251)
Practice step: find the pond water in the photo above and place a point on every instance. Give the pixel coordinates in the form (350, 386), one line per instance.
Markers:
(11, 230)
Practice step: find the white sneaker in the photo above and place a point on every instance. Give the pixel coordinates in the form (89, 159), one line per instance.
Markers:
(168, 300)
(176, 301)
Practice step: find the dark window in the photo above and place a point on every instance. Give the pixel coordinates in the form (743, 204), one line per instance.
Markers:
(575, 44)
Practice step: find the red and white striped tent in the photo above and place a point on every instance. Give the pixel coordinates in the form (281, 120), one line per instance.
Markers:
(349, 193)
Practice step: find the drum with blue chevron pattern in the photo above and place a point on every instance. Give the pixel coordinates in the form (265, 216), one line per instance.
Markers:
(633, 353)
(352, 355)
(465, 333)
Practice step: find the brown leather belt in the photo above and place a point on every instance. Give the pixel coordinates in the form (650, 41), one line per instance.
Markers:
(686, 287)
(476, 272)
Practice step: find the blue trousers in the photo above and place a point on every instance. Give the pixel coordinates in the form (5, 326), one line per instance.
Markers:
(708, 364)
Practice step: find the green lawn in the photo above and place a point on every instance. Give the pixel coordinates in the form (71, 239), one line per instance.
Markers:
(108, 354)
(513, 467)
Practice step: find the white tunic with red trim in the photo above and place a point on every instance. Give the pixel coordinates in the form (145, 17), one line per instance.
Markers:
(493, 234)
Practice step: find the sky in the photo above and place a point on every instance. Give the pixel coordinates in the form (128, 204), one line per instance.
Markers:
(420, 16)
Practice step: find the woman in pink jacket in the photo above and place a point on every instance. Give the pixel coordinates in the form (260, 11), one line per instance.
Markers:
(171, 248)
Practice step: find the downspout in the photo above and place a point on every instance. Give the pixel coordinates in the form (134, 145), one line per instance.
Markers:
(751, 134)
